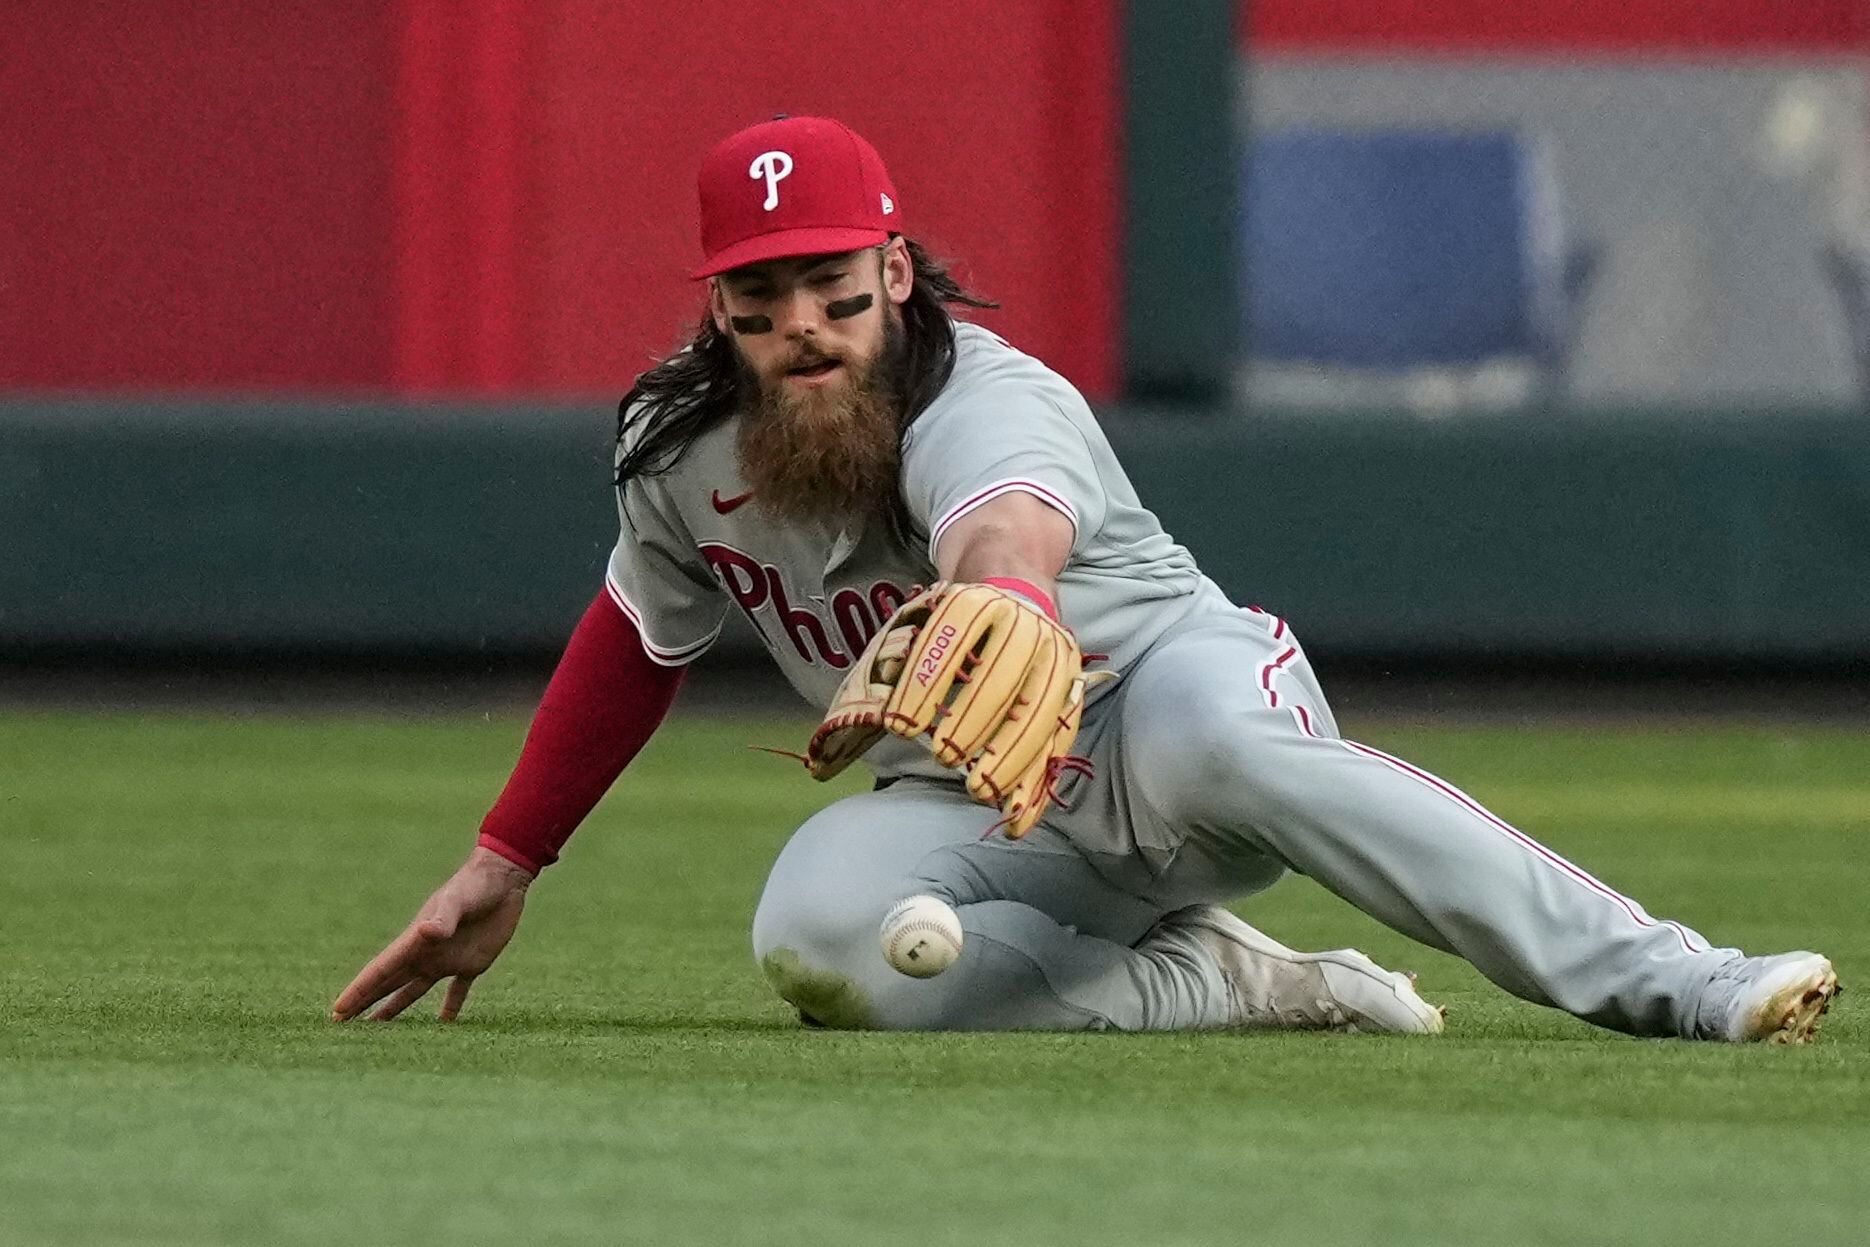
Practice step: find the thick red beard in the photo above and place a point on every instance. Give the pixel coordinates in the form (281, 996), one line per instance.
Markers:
(824, 453)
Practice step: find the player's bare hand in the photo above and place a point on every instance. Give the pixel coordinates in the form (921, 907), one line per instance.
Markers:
(456, 935)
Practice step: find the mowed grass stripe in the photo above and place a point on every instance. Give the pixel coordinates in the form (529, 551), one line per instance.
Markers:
(234, 1154)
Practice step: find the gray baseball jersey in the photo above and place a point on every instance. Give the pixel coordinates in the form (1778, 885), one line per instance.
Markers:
(691, 547)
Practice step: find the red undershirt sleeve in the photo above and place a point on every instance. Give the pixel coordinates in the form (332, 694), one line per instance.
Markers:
(605, 700)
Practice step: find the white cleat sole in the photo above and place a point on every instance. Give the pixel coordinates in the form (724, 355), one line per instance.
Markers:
(1793, 1001)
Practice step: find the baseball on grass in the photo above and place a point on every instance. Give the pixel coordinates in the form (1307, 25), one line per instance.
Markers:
(921, 936)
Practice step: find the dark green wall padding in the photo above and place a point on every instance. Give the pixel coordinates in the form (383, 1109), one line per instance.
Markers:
(1181, 208)
(1688, 535)
(448, 530)
(298, 526)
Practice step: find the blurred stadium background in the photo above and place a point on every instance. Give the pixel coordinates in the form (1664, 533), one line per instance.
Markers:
(1475, 338)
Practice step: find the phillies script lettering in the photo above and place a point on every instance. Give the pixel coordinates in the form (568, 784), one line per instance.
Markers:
(759, 589)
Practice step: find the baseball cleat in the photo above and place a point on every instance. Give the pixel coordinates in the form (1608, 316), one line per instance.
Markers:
(1276, 987)
(1769, 999)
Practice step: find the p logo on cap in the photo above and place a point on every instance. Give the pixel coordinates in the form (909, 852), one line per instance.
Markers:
(772, 166)
(793, 186)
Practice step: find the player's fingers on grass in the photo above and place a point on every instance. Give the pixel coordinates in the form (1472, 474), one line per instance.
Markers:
(403, 960)
(365, 990)
(456, 997)
(405, 996)
(388, 970)
(359, 996)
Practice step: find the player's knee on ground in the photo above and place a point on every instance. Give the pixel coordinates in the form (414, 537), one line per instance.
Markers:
(837, 977)
(815, 931)
(807, 942)
(810, 957)
(828, 964)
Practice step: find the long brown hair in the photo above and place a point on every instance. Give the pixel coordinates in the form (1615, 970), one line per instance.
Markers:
(699, 386)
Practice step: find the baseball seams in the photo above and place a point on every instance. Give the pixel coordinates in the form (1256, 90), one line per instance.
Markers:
(921, 936)
(920, 926)
(1441, 787)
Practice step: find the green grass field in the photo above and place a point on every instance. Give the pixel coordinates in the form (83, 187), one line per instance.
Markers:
(182, 896)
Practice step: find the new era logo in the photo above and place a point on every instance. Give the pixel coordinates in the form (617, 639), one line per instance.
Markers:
(889, 205)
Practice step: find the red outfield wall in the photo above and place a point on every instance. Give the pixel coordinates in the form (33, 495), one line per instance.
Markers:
(1648, 27)
(497, 196)
(194, 195)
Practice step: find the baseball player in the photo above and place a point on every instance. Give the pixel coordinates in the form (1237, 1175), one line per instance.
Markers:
(1080, 744)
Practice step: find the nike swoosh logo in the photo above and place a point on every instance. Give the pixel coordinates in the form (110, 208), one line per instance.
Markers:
(725, 506)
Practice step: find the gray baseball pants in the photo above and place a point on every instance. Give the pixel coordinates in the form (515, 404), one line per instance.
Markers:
(1218, 767)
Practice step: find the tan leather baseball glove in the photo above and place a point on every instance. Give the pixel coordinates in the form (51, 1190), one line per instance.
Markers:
(993, 684)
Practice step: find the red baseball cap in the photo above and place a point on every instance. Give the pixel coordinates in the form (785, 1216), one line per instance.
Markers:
(792, 186)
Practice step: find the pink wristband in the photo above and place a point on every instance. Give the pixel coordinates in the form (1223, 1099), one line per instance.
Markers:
(1025, 589)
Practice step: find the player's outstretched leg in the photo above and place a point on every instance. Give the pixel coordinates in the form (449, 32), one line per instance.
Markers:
(1048, 943)
(1222, 741)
